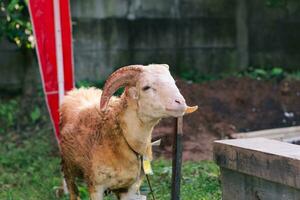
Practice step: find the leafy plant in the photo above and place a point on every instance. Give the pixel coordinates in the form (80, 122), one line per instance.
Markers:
(35, 114)
(15, 23)
(275, 73)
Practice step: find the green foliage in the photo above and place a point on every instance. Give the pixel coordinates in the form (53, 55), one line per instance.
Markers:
(276, 3)
(35, 115)
(30, 169)
(15, 23)
(8, 112)
(294, 76)
(275, 73)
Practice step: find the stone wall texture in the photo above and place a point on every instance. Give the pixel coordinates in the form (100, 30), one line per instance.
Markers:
(208, 36)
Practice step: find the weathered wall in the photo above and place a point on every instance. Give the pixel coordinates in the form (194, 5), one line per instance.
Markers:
(186, 34)
(210, 36)
(18, 69)
(11, 67)
(274, 34)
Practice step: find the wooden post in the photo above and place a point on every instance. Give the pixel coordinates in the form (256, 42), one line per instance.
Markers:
(258, 168)
(177, 159)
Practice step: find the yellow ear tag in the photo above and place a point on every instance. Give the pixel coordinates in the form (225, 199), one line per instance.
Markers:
(147, 166)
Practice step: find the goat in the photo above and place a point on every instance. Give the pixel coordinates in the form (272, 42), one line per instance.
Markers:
(102, 143)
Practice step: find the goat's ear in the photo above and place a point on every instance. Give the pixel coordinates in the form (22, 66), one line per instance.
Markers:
(133, 93)
(166, 65)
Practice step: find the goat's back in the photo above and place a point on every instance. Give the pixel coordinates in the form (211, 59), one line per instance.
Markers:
(77, 100)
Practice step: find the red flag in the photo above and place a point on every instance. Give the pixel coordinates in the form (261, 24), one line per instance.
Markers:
(53, 34)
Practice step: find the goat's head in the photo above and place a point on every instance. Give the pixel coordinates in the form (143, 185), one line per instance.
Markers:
(152, 87)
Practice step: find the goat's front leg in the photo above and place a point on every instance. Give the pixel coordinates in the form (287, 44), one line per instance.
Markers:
(133, 189)
(96, 192)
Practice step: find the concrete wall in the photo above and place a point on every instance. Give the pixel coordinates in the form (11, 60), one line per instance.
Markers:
(210, 36)
(185, 34)
(274, 34)
(12, 67)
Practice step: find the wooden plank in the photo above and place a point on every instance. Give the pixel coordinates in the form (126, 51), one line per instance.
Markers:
(264, 158)
(289, 134)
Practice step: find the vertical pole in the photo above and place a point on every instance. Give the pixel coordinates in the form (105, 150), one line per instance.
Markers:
(59, 63)
(177, 159)
(59, 50)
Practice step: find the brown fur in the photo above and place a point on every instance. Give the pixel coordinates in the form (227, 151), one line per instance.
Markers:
(93, 143)
(103, 146)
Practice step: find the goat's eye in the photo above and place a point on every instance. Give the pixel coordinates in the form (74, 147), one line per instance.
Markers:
(146, 88)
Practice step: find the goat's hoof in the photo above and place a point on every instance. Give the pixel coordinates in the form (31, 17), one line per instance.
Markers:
(59, 192)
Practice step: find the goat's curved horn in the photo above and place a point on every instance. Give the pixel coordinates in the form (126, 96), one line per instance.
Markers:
(125, 76)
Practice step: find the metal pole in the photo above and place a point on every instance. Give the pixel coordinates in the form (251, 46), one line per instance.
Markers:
(177, 159)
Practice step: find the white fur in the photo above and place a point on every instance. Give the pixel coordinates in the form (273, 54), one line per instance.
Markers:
(98, 194)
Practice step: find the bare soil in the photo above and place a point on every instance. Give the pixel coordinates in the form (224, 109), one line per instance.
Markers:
(228, 106)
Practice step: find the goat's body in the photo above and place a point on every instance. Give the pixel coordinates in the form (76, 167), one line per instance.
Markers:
(93, 145)
(100, 140)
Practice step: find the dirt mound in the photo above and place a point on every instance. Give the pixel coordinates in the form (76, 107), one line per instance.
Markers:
(228, 106)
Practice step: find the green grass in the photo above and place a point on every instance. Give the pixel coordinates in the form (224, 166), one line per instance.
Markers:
(30, 170)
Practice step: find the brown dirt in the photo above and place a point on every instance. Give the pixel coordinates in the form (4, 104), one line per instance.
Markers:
(228, 106)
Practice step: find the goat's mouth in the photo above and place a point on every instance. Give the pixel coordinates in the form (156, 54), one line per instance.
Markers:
(176, 112)
(181, 111)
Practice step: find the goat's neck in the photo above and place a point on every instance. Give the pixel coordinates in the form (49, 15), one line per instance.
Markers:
(137, 131)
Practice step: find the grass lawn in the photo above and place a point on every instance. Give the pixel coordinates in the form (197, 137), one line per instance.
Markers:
(30, 170)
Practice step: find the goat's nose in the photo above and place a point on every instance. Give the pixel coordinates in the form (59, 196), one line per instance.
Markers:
(178, 101)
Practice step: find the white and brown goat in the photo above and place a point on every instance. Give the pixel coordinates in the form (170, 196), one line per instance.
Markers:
(101, 143)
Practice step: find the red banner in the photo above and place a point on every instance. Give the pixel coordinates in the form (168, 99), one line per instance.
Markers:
(53, 34)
